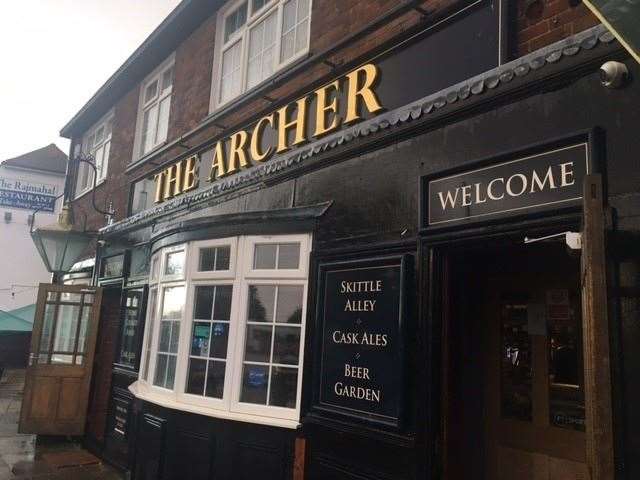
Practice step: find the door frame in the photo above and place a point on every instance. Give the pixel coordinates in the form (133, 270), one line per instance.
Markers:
(434, 252)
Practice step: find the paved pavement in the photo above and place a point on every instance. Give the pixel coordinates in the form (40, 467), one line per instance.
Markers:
(21, 456)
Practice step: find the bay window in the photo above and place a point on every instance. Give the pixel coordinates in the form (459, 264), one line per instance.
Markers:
(97, 143)
(225, 328)
(257, 38)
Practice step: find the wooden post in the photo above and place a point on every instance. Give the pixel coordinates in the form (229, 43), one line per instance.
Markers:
(298, 463)
(597, 370)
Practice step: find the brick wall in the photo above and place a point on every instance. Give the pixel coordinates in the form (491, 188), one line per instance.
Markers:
(548, 21)
(332, 21)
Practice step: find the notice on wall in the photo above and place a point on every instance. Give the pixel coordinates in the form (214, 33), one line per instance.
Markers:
(361, 367)
(27, 195)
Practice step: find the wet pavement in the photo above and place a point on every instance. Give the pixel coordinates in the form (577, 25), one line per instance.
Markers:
(29, 457)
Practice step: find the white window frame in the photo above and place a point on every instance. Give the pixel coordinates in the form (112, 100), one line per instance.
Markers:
(156, 75)
(84, 170)
(242, 35)
(239, 275)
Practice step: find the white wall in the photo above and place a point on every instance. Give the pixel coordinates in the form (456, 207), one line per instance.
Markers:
(21, 268)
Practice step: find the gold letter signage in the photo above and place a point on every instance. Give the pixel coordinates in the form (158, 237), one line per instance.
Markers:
(287, 128)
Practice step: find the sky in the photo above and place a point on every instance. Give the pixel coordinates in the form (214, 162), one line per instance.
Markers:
(55, 55)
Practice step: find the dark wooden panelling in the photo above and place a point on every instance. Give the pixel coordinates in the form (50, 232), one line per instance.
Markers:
(150, 452)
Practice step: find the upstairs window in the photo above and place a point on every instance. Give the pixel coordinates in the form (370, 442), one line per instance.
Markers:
(155, 105)
(97, 143)
(258, 38)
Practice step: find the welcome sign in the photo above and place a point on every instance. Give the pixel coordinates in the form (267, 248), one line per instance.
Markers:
(548, 180)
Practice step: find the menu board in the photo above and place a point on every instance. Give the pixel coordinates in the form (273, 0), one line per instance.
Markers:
(361, 368)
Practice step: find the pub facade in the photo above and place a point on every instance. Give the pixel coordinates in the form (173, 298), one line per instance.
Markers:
(364, 240)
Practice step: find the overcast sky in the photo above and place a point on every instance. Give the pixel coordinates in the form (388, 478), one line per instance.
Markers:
(55, 54)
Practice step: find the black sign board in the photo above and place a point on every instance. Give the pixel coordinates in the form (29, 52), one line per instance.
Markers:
(537, 182)
(361, 311)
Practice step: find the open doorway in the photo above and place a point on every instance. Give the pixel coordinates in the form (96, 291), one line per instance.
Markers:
(513, 388)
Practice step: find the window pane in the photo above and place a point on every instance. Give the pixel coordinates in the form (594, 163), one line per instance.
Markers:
(289, 255)
(84, 325)
(196, 376)
(204, 303)
(149, 124)
(265, 256)
(230, 78)
(175, 263)
(165, 336)
(301, 36)
(149, 331)
(105, 159)
(171, 372)
(255, 380)
(516, 364)
(161, 370)
(235, 20)
(47, 326)
(62, 359)
(99, 135)
(262, 40)
(173, 303)
(257, 5)
(284, 385)
(108, 127)
(163, 120)
(167, 79)
(286, 345)
(289, 15)
(65, 335)
(151, 91)
(261, 299)
(215, 379)
(207, 260)
(222, 258)
(258, 345)
(175, 336)
(222, 306)
(295, 28)
(289, 304)
(219, 340)
(200, 339)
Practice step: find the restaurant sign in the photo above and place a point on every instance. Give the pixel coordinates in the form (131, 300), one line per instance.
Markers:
(533, 183)
(27, 195)
(361, 351)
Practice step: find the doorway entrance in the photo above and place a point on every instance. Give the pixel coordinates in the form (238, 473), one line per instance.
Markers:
(513, 384)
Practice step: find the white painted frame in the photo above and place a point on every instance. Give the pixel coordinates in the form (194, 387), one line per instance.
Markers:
(220, 46)
(83, 167)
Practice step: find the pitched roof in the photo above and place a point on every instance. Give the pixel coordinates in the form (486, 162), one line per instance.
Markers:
(45, 159)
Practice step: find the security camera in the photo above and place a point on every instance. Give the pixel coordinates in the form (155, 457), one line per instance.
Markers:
(613, 74)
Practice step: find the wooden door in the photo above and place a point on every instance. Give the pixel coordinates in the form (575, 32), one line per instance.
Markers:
(58, 376)
(534, 390)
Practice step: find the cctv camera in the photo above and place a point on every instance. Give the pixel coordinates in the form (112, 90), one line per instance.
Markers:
(613, 74)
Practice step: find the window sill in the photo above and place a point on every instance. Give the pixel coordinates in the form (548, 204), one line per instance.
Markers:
(142, 392)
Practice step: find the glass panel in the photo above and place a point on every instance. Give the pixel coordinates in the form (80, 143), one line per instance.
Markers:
(88, 298)
(196, 377)
(43, 358)
(151, 91)
(215, 379)
(289, 304)
(66, 326)
(207, 261)
(112, 266)
(167, 79)
(289, 255)
(258, 345)
(235, 21)
(175, 263)
(161, 370)
(175, 336)
(222, 307)
(257, 5)
(566, 393)
(286, 345)
(47, 325)
(63, 359)
(79, 359)
(149, 331)
(219, 340)
(301, 36)
(200, 339)
(129, 330)
(165, 336)
(171, 372)
(230, 78)
(204, 303)
(52, 296)
(173, 303)
(261, 298)
(223, 254)
(265, 256)
(284, 385)
(255, 380)
(70, 297)
(163, 120)
(84, 325)
(262, 40)
(516, 363)
(149, 123)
